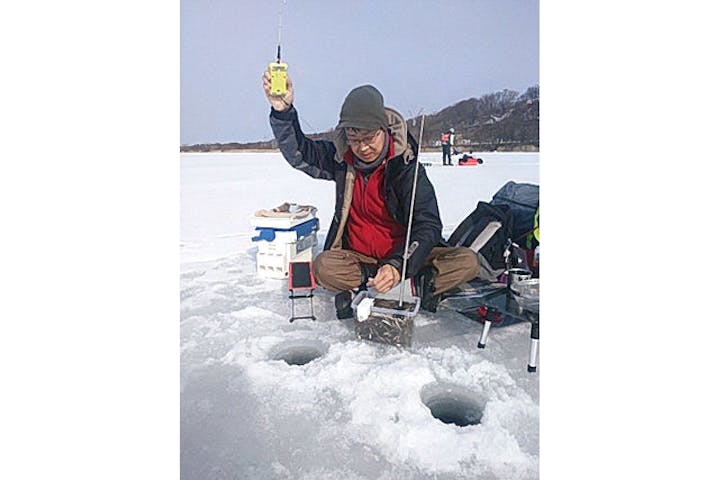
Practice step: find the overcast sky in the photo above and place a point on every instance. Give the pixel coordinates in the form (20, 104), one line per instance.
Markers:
(422, 54)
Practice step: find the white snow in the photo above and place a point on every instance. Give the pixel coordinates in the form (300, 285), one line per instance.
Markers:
(357, 411)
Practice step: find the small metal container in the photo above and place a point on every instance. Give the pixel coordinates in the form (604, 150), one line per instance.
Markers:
(526, 292)
(517, 275)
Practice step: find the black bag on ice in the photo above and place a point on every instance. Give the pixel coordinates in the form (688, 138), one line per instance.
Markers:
(523, 200)
(486, 231)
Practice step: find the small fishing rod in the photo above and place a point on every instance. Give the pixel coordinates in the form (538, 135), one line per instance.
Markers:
(409, 250)
(278, 69)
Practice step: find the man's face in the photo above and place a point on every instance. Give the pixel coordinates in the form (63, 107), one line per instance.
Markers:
(365, 144)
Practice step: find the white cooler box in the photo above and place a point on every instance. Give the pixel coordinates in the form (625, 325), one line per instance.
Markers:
(281, 241)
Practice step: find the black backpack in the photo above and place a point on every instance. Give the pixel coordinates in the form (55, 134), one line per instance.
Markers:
(486, 231)
(523, 200)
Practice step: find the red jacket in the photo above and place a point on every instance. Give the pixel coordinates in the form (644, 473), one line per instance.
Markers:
(371, 230)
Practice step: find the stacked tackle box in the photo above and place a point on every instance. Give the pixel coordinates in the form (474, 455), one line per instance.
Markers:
(281, 241)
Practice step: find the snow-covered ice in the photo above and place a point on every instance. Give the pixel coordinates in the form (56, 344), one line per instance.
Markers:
(358, 411)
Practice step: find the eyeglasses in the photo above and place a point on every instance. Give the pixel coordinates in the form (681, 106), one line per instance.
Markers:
(358, 141)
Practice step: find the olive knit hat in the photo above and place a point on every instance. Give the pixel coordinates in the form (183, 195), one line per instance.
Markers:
(363, 109)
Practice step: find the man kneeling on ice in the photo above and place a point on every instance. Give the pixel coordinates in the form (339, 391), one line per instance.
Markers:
(371, 161)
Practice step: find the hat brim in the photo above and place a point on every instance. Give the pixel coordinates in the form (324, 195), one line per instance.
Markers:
(358, 125)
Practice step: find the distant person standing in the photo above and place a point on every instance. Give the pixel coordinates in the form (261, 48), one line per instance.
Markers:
(447, 141)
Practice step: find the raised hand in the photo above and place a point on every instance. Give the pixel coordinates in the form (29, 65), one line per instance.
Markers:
(278, 102)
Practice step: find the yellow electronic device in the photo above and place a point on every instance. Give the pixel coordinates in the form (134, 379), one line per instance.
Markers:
(278, 78)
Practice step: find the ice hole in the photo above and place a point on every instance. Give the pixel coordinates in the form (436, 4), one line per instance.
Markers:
(453, 404)
(299, 356)
(298, 352)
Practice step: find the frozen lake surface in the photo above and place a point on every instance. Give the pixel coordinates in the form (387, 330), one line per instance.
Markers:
(359, 410)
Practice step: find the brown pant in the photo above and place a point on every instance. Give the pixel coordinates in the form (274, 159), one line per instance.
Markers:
(339, 270)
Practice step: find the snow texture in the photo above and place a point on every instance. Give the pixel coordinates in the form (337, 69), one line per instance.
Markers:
(358, 410)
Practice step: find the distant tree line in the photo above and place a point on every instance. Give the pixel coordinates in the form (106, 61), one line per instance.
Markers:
(502, 120)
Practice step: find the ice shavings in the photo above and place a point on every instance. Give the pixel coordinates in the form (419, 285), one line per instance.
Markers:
(379, 388)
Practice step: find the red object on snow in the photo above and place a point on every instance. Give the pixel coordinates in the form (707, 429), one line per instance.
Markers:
(467, 160)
